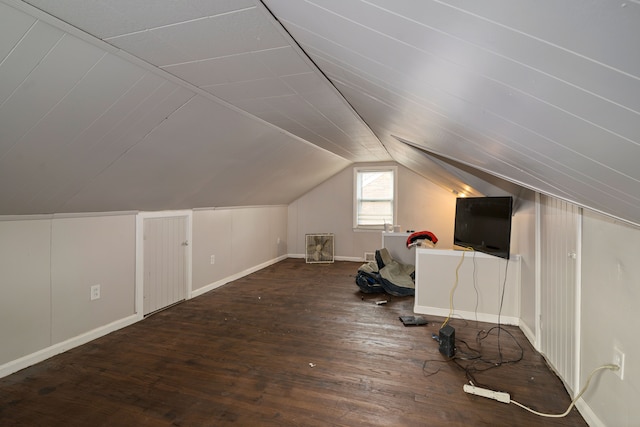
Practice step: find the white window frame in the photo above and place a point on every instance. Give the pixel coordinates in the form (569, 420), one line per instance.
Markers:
(356, 171)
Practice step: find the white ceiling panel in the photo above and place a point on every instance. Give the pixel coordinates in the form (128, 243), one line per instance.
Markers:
(545, 94)
(148, 14)
(306, 84)
(226, 69)
(23, 57)
(15, 26)
(263, 88)
(303, 132)
(445, 53)
(542, 108)
(566, 162)
(149, 46)
(150, 112)
(98, 90)
(255, 60)
(587, 31)
(524, 152)
(217, 7)
(283, 61)
(484, 36)
(243, 31)
(145, 108)
(296, 107)
(109, 18)
(56, 74)
(213, 158)
(424, 165)
(100, 144)
(88, 15)
(87, 130)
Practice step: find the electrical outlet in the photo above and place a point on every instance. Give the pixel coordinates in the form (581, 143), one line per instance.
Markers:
(618, 359)
(213, 259)
(95, 292)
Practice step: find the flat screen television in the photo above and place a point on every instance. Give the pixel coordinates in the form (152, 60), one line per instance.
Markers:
(484, 224)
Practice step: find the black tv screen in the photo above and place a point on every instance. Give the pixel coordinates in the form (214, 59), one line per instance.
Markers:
(484, 224)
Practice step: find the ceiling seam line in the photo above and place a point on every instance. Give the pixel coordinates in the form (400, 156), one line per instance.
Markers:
(319, 70)
(188, 21)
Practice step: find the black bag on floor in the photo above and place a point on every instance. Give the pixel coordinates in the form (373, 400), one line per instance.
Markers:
(386, 275)
(369, 282)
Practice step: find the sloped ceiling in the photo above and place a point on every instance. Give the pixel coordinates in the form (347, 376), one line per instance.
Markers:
(86, 126)
(163, 104)
(545, 94)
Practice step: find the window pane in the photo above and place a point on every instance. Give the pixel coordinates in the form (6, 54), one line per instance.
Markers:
(375, 212)
(377, 185)
(374, 197)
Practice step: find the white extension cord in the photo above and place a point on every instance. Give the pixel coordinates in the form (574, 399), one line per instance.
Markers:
(500, 396)
(504, 397)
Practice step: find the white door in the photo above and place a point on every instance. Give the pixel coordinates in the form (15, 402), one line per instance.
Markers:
(559, 333)
(165, 256)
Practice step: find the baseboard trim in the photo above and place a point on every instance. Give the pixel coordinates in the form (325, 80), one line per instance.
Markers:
(529, 334)
(48, 352)
(587, 413)
(466, 315)
(349, 258)
(44, 354)
(336, 258)
(222, 282)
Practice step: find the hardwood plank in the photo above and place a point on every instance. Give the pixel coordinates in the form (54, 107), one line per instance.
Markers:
(294, 344)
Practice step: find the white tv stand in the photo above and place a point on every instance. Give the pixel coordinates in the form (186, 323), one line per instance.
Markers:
(436, 275)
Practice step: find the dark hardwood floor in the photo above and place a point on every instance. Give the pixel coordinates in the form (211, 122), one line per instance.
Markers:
(294, 344)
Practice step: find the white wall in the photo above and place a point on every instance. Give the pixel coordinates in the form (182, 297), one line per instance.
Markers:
(328, 208)
(487, 288)
(47, 267)
(85, 252)
(523, 243)
(611, 316)
(25, 287)
(49, 263)
(241, 239)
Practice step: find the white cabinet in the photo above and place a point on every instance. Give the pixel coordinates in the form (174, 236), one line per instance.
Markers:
(396, 244)
(487, 286)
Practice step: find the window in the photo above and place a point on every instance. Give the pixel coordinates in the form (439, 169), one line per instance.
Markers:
(374, 197)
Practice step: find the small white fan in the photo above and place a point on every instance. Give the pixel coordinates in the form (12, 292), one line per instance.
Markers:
(319, 248)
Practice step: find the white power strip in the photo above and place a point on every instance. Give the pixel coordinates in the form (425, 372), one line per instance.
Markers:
(490, 394)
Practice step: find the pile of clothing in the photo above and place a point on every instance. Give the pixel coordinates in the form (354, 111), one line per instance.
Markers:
(386, 275)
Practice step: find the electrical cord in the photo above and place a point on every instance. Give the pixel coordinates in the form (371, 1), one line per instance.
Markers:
(476, 353)
(475, 287)
(504, 285)
(482, 364)
(573, 402)
(453, 289)
(477, 357)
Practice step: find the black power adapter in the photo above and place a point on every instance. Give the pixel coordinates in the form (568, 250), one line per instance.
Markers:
(447, 338)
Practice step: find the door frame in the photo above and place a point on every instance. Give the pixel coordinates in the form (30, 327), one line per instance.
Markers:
(140, 217)
(576, 254)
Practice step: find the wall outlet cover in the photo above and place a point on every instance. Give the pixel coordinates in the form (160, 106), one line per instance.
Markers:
(618, 359)
(95, 292)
